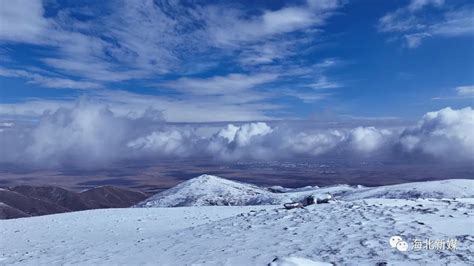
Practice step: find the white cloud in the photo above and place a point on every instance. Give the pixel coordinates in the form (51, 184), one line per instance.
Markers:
(368, 139)
(230, 27)
(23, 21)
(324, 83)
(49, 81)
(457, 22)
(462, 92)
(244, 141)
(414, 40)
(237, 107)
(308, 97)
(446, 134)
(89, 134)
(419, 4)
(218, 85)
(465, 91)
(149, 40)
(163, 143)
(413, 24)
(144, 39)
(243, 136)
(228, 133)
(314, 143)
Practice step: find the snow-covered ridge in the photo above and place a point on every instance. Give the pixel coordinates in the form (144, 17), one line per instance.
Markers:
(209, 190)
(452, 188)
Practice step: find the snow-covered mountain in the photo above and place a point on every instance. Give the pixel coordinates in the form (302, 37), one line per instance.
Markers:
(355, 230)
(452, 188)
(208, 190)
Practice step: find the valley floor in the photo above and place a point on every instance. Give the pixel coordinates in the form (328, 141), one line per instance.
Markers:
(353, 232)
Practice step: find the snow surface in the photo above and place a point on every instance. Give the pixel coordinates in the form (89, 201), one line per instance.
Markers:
(208, 190)
(344, 232)
(350, 231)
(453, 188)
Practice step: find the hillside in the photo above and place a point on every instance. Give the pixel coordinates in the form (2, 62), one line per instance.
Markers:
(23, 201)
(208, 190)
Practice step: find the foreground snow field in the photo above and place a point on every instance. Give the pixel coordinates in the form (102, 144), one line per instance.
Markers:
(354, 232)
(355, 229)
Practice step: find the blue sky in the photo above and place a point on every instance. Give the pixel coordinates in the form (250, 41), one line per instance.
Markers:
(201, 61)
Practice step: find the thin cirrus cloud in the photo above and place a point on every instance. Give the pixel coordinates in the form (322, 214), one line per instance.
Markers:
(412, 24)
(218, 85)
(90, 134)
(172, 45)
(229, 107)
(48, 81)
(120, 46)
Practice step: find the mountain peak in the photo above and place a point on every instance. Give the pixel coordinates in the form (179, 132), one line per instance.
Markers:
(206, 190)
(207, 178)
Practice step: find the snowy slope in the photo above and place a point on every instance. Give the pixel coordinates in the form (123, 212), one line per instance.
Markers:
(355, 233)
(452, 188)
(208, 190)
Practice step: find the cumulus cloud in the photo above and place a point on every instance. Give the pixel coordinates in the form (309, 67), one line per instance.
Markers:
(250, 140)
(368, 139)
(315, 143)
(90, 134)
(446, 134)
(164, 143)
(243, 136)
(86, 133)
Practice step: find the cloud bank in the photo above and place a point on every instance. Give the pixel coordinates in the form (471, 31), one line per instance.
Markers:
(89, 134)
(446, 134)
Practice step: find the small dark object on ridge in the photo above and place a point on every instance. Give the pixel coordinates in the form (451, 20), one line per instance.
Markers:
(309, 200)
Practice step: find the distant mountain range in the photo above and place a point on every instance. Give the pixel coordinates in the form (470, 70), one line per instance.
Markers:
(363, 226)
(209, 190)
(25, 201)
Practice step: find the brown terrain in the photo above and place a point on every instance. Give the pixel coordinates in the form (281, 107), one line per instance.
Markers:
(38, 192)
(153, 177)
(25, 200)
